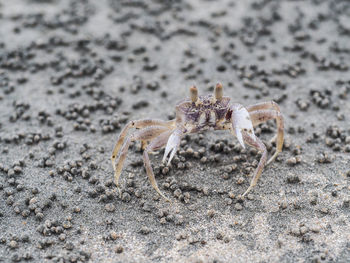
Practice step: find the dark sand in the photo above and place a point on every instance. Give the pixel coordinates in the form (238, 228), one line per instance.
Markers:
(72, 73)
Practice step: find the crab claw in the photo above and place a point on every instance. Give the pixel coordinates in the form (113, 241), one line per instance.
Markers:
(241, 122)
(172, 145)
(240, 137)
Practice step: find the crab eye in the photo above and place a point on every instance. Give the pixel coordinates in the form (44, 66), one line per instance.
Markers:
(194, 93)
(218, 91)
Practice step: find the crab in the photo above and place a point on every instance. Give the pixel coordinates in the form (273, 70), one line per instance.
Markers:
(197, 114)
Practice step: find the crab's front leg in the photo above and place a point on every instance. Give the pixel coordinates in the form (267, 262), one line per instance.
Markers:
(143, 134)
(138, 124)
(242, 128)
(155, 144)
(172, 140)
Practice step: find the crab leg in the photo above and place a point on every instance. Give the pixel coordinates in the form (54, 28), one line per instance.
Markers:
(138, 124)
(156, 143)
(260, 116)
(144, 134)
(259, 145)
(264, 106)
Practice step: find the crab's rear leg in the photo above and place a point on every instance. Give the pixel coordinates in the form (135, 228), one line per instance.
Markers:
(144, 134)
(255, 142)
(267, 105)
(138, 124)
(260, 116)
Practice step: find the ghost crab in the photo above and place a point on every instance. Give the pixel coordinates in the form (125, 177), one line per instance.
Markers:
(196, 114)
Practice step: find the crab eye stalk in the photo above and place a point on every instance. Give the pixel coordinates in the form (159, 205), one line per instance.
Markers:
(194, 93)
(218, 91)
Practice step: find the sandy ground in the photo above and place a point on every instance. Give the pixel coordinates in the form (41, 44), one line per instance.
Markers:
(72, 73)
